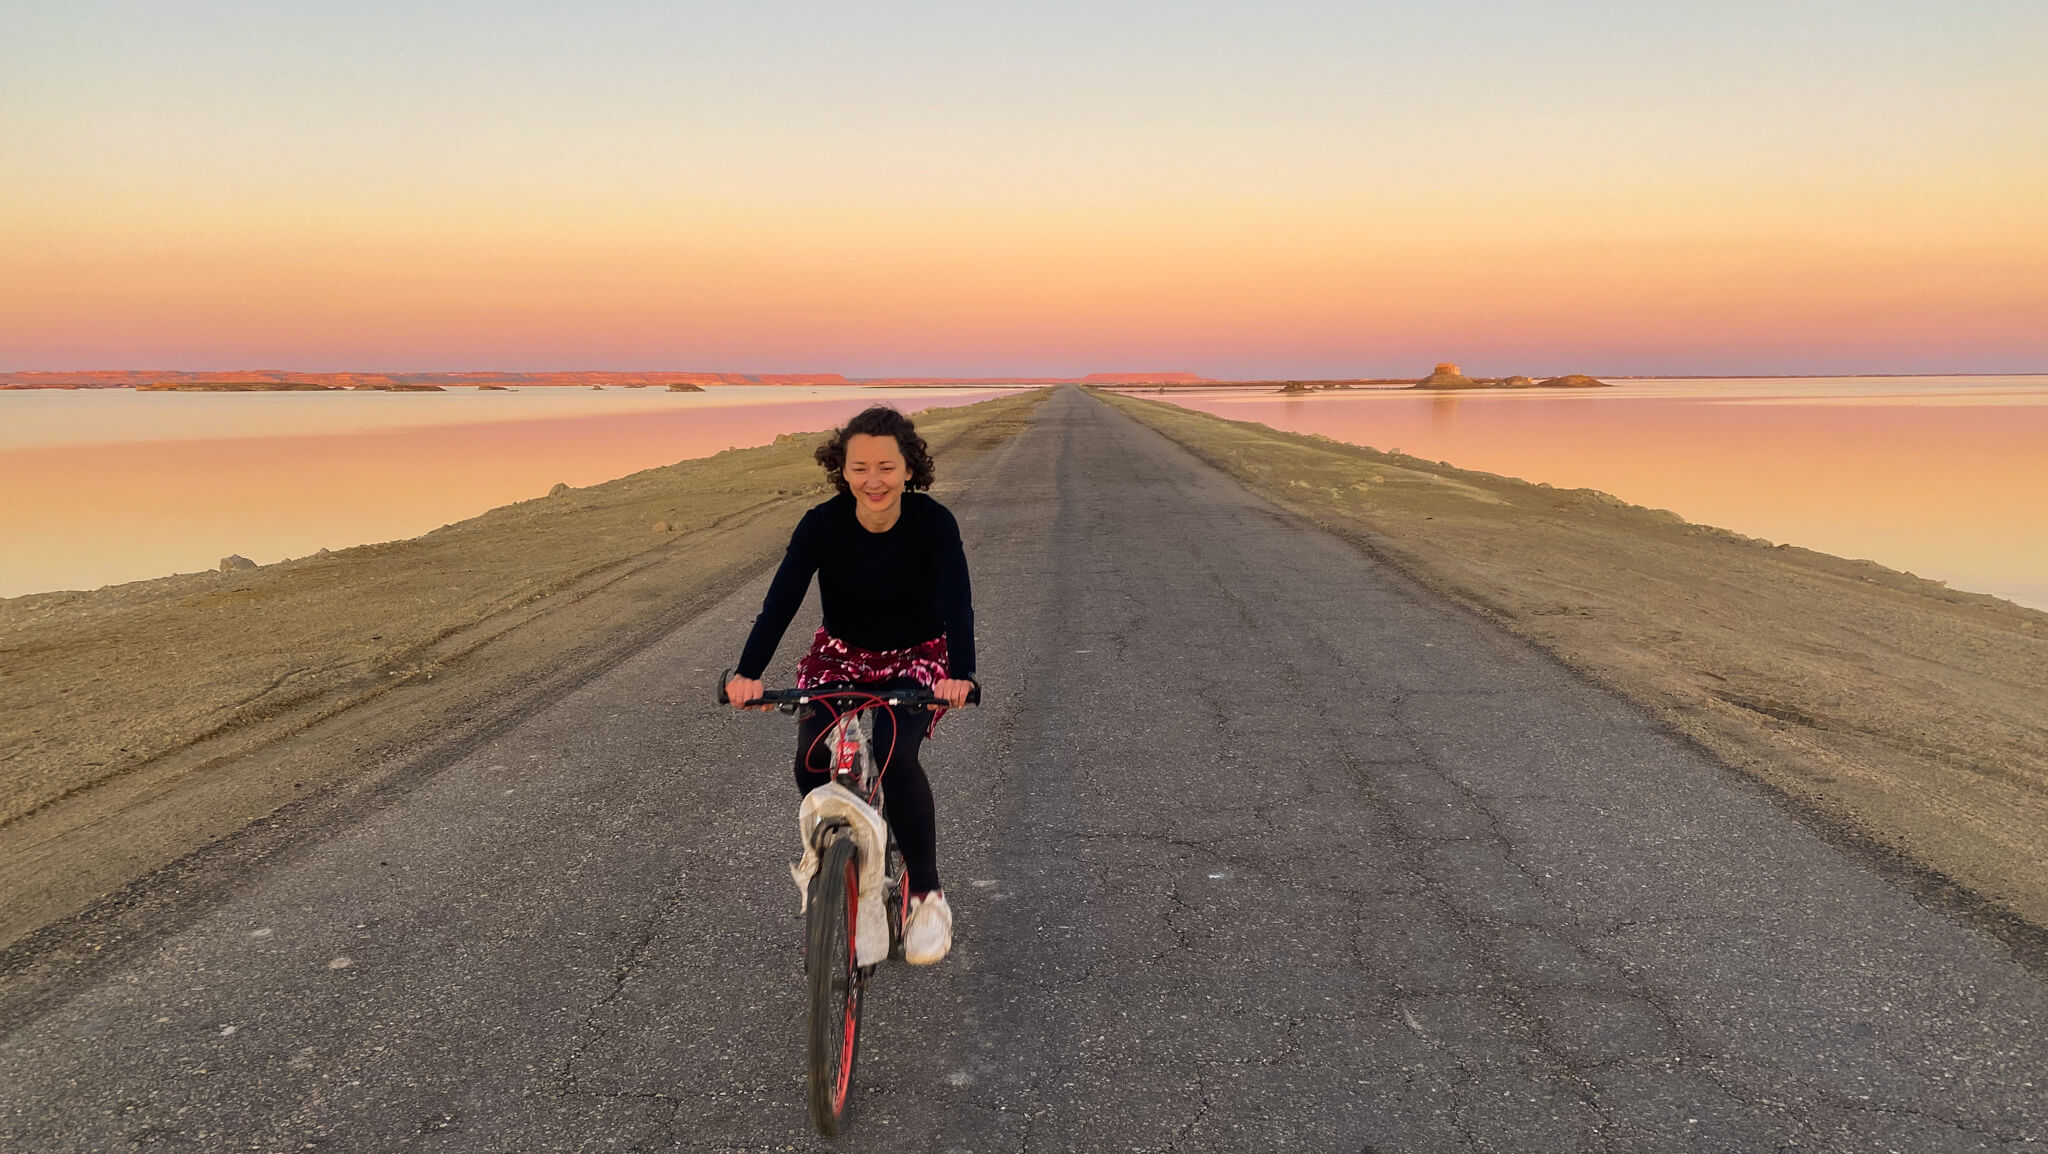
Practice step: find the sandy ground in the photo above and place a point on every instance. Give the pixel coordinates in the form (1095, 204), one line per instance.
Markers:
(141, 721)
(1913, 714)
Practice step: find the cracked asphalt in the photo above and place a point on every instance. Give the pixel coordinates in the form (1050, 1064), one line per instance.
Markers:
(1256, 845)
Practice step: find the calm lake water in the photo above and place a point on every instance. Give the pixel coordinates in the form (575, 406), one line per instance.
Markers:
(1946, 477)
(110, 485)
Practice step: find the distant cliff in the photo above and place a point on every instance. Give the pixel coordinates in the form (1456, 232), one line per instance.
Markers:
(271, 380)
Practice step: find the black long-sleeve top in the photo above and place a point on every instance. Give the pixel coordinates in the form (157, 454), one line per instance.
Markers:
(888, 590)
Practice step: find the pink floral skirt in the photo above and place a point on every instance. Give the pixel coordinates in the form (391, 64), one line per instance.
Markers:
(831, 659)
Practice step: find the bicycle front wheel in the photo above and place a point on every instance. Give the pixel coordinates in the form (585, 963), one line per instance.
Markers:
(832, 973)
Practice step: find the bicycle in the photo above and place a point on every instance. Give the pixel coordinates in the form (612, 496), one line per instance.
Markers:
(835, 981)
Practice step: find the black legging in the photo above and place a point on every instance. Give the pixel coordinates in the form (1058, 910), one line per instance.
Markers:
(907, 796)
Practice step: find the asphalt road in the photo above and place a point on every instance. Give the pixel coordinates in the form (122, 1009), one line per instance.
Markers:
(1256, 846)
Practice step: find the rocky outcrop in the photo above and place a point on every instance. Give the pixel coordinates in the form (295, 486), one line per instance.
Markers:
(1447, 376)
(561, 489)
(397, 387)
(684, 387)
(235, 561)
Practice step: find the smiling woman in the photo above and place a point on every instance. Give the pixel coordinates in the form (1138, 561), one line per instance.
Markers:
(877, 456)
(892, 577)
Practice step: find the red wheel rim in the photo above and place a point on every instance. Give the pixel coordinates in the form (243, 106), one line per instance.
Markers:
(850, 1017)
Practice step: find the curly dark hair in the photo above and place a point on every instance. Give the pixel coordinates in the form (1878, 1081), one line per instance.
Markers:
(879, 421)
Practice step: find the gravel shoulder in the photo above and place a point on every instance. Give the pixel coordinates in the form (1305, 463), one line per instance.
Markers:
(143, 721)
(1899, 711)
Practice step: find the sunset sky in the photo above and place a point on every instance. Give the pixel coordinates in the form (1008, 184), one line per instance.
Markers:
(1236, 189)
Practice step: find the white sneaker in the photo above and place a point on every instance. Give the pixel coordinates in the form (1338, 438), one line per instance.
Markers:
(928, 929)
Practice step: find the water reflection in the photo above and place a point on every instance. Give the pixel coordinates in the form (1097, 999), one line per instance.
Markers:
(78, 516)
(1943, 477)
(1443, 410)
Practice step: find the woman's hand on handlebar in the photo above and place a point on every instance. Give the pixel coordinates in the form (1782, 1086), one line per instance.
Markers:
(741, 690)
(953, 691)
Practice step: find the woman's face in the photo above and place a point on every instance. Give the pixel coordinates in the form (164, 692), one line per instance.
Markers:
(875, 471)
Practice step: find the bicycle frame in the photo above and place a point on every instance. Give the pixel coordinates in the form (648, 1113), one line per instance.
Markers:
(854, 755)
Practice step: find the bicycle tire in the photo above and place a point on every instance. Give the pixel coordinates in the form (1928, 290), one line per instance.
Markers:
(832, 975)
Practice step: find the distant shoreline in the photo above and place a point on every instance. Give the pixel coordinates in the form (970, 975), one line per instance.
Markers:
(264, 380)
(276, 380)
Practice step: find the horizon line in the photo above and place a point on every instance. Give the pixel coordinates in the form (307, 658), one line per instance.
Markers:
(801, 378)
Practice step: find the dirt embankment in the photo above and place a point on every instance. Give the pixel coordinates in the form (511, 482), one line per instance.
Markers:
(140, 721)
(1916, 713)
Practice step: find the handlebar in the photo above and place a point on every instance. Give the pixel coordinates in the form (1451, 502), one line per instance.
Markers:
(788, 700)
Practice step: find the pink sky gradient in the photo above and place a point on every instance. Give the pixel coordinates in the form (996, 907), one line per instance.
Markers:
(1237, 190)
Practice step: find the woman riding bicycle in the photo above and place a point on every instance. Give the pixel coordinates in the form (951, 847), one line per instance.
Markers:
(898, 612)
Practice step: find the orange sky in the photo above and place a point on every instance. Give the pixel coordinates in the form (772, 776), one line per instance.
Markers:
(1314, 191)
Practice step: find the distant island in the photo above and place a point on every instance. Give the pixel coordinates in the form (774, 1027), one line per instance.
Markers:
(1447, 376)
